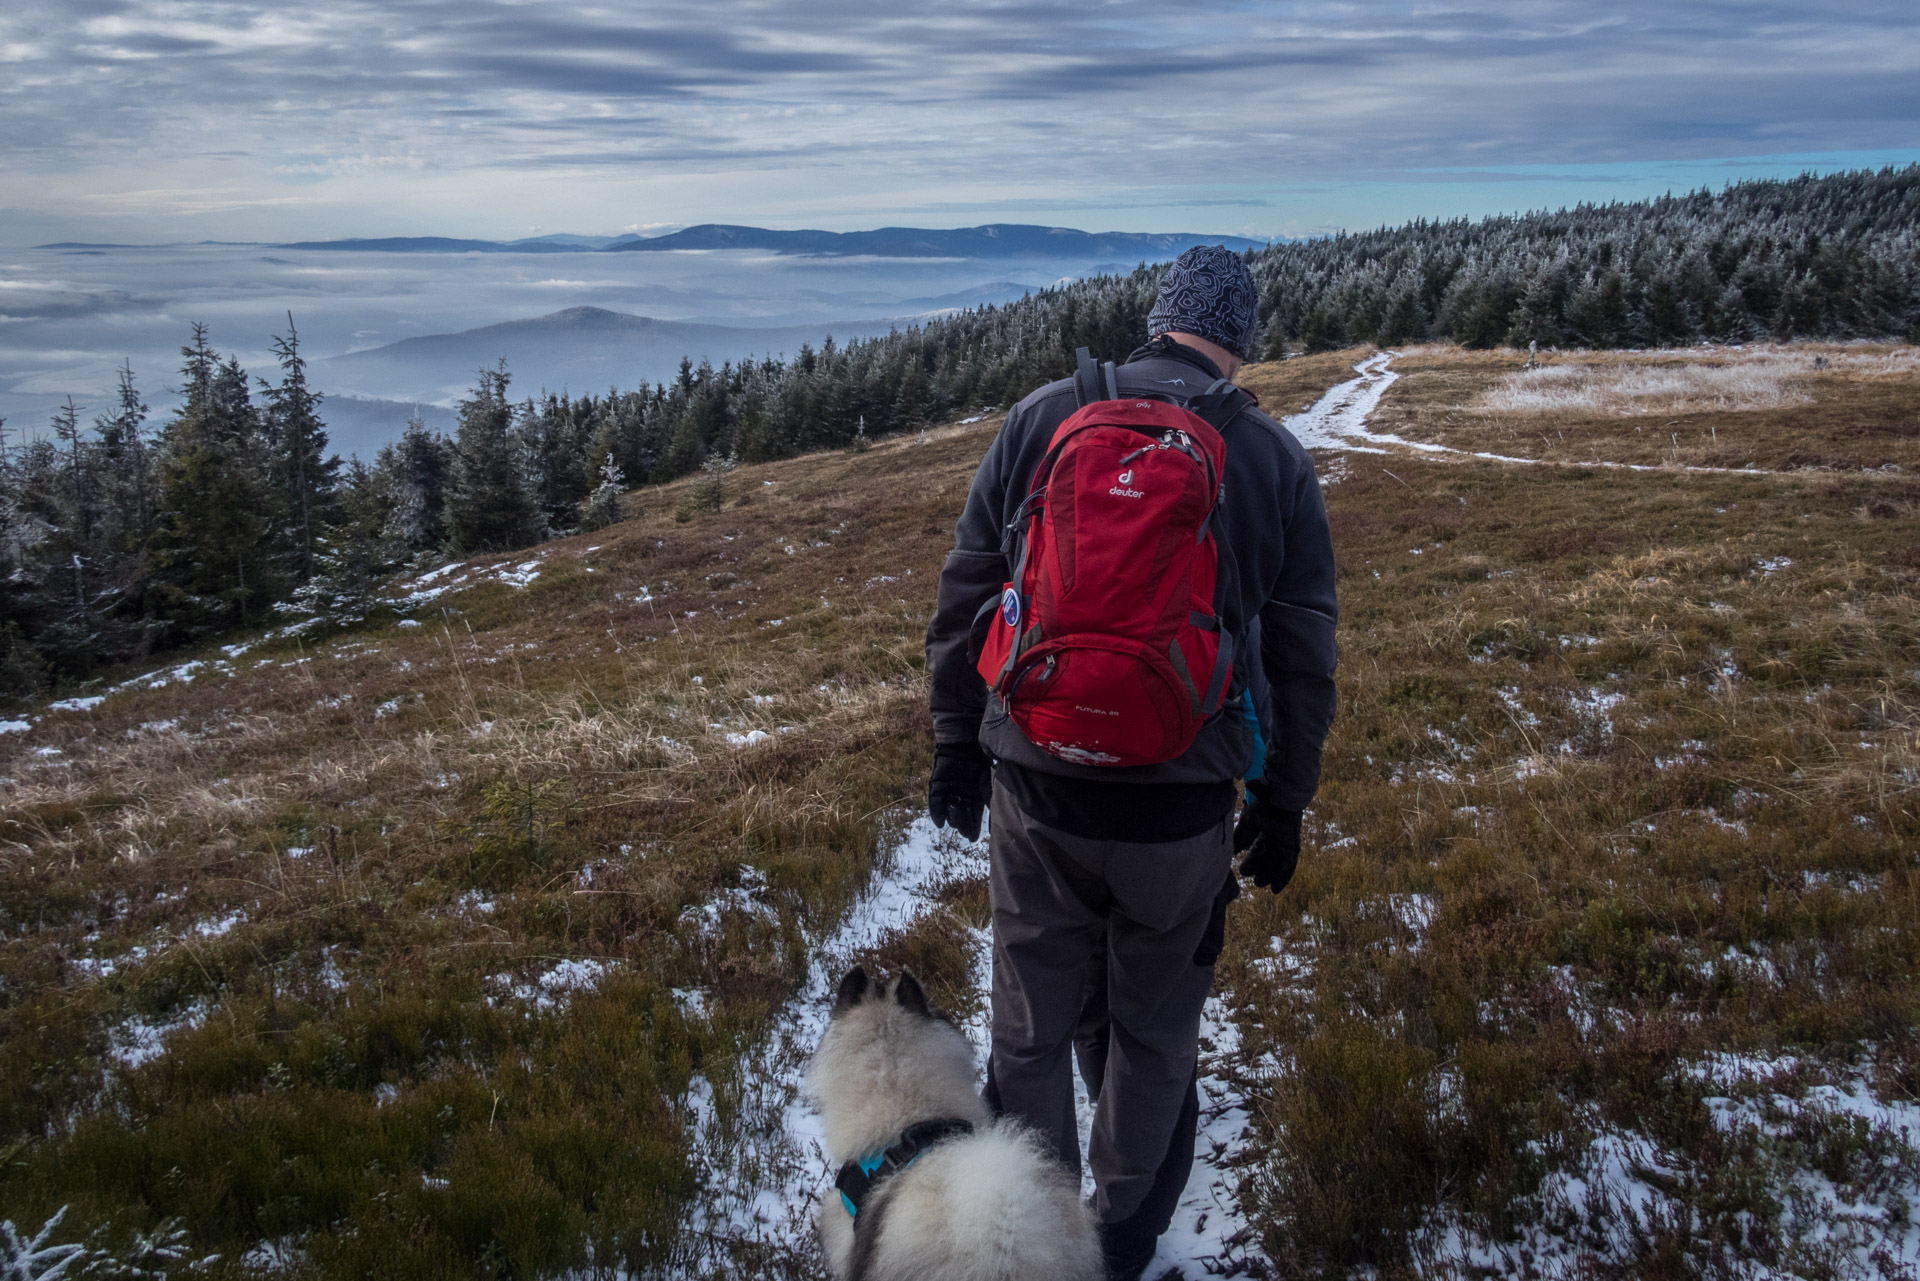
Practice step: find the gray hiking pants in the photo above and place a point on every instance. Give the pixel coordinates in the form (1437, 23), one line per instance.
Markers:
(1068, 913)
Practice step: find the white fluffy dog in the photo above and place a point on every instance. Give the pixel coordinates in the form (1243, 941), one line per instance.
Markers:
(943, 1192)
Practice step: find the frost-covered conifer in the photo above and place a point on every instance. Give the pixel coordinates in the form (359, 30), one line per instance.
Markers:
(602, 507)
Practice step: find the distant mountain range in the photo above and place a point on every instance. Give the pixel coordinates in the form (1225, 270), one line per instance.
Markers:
(999, 240)
(447, 245)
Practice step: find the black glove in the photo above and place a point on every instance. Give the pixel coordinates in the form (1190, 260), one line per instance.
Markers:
(1271, 838)
(1215, 937)
(962, 783)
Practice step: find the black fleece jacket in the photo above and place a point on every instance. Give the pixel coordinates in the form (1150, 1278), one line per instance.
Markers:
(1274, 527)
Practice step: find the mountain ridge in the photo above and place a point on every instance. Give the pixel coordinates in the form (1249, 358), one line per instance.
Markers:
(991, 240)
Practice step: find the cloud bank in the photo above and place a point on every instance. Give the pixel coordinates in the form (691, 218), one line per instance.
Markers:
(490, 117)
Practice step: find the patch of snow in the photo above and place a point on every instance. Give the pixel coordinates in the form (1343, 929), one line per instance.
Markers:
(218, 926)
(1289, 968)
(1596, 706)
(434, 575)
(747, 739)
(77, 704)
(1509, 696)
(748, 897)
(552, 989)
(384, 1094)
(282, 1254)
(573, 976)
(521, 575)
(1604, 1202)
(140, 1041)
(100, 967)
(330, 975)
(1415, 911)
(475, 903)
(1689, 754)
(15, 727)
(1843, 882)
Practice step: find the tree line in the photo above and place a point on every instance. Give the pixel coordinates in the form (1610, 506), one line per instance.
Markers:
(1828, 257)
(116, 542)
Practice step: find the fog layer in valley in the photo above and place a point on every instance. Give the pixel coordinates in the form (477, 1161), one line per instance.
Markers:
(68, 317)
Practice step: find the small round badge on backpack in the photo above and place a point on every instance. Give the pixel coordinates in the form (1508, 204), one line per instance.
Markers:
(1010, 607)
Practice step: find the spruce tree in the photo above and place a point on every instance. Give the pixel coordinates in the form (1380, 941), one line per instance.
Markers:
(127, 464)
(348, 559)
(212, 548)
(303, 477)
(602, 507)
(414, 473)
(490, 503)
(77, 509)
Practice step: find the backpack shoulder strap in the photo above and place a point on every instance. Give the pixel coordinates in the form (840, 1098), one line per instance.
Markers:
(1221, 403)
(1094, 380)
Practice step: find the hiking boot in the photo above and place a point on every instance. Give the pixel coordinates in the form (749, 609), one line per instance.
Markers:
(1127, 1251)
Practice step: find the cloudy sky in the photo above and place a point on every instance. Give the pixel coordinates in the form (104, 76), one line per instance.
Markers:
(185, 119)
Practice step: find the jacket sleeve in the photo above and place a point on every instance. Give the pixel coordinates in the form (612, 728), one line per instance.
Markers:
(1297, 648)
(974, 573)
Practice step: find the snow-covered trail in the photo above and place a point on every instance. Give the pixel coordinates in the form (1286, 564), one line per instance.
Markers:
(763, 1158)
(765, 1164)
(1338, 420)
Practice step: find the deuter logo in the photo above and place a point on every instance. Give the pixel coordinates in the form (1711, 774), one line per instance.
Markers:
(1124, 489)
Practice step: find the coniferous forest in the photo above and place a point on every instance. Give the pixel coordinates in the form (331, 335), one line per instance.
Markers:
(123, 537)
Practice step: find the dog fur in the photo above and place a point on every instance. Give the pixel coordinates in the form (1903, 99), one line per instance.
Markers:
(989, 1206)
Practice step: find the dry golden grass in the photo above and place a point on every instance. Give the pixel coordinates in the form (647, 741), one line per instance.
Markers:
(1821, 407)
(379, 859)
(1625, 778)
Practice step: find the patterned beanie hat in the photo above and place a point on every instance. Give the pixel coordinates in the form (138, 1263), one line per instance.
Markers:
(1208, 292)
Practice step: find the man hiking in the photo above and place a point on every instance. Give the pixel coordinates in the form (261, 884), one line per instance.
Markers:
(1138, 611)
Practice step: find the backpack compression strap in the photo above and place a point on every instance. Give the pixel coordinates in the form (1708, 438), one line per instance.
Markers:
(1094, 380)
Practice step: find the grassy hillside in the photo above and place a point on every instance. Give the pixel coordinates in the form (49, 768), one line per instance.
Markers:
(1607, 946)
(442, 947)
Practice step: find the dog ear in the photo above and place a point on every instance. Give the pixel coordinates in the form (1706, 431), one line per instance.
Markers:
(852, 988)
(911, 996)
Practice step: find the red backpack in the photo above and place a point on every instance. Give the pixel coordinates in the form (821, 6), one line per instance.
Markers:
(1107, 647)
